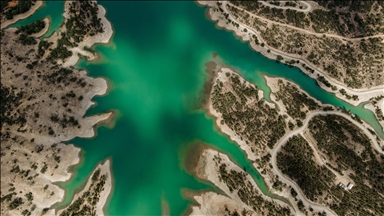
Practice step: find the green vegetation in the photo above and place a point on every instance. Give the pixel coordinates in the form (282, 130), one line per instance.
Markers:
(21, 7)
(256, 122)
(355, 63)
(344, 93)
(7, 197)
(290, 4)
(295, 100)
(324, 21)
(27, 40)
(345, 18)
(279, 58)
(96, 175)
(43, 46)
(60, 52)
(348, 148)
(237, 181)
(89, 49)
(9, 101)
(32, 28)
(15, 203)
(378, 111)
(65, 76)
(25, 212)
(33, 85)
(325, 82)
(83, 23)
(86, 204)
(29, 196)
(44, 169)
(339, 138)
(293, 192)
(296, 155)
(343, 14)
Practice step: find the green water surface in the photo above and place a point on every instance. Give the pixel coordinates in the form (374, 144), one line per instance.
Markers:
(155, 68)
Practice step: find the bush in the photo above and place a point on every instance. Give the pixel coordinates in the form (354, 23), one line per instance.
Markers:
(22, 7)
(32, 28)
(27, 40)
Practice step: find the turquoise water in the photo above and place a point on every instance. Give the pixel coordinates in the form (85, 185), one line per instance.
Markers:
(155, 67)
(52, 9)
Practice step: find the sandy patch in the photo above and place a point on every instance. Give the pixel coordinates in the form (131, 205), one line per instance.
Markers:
(13, 3)
(69, 154)
(89, 41)
(380, 105)
(105, 169)
(211, 202)
(221, 75)
(39, 183)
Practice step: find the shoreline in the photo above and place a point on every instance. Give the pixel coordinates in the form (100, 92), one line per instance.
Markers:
(189, 195)
(209, 172)
(47, 22)
(25, 15)
(71, 171)
(224, 129)
(227, 132)
(269, 80)
(103, 38)
(100, 89)
(82, 187)
(109, 188)
(89, 123)
(79, 189)
(364, 93)
(371, 107)
(71, 155)
(287, 56)
(105, 167)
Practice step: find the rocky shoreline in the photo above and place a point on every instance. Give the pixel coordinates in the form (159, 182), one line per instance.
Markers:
(32, 10)
(214, 15)
(38, 143)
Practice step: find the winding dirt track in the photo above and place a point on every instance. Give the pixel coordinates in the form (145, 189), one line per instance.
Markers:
(283, 140)
(361, 93)
(307, 9)
(300, 29)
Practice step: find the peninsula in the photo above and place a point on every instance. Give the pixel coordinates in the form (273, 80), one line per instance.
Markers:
(343, 53)
(291, 132)
(249, 136)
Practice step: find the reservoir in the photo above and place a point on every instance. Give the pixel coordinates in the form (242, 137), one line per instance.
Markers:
(155, 66)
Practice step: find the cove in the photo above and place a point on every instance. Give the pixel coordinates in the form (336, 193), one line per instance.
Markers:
(52, 9)
(155, 68)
